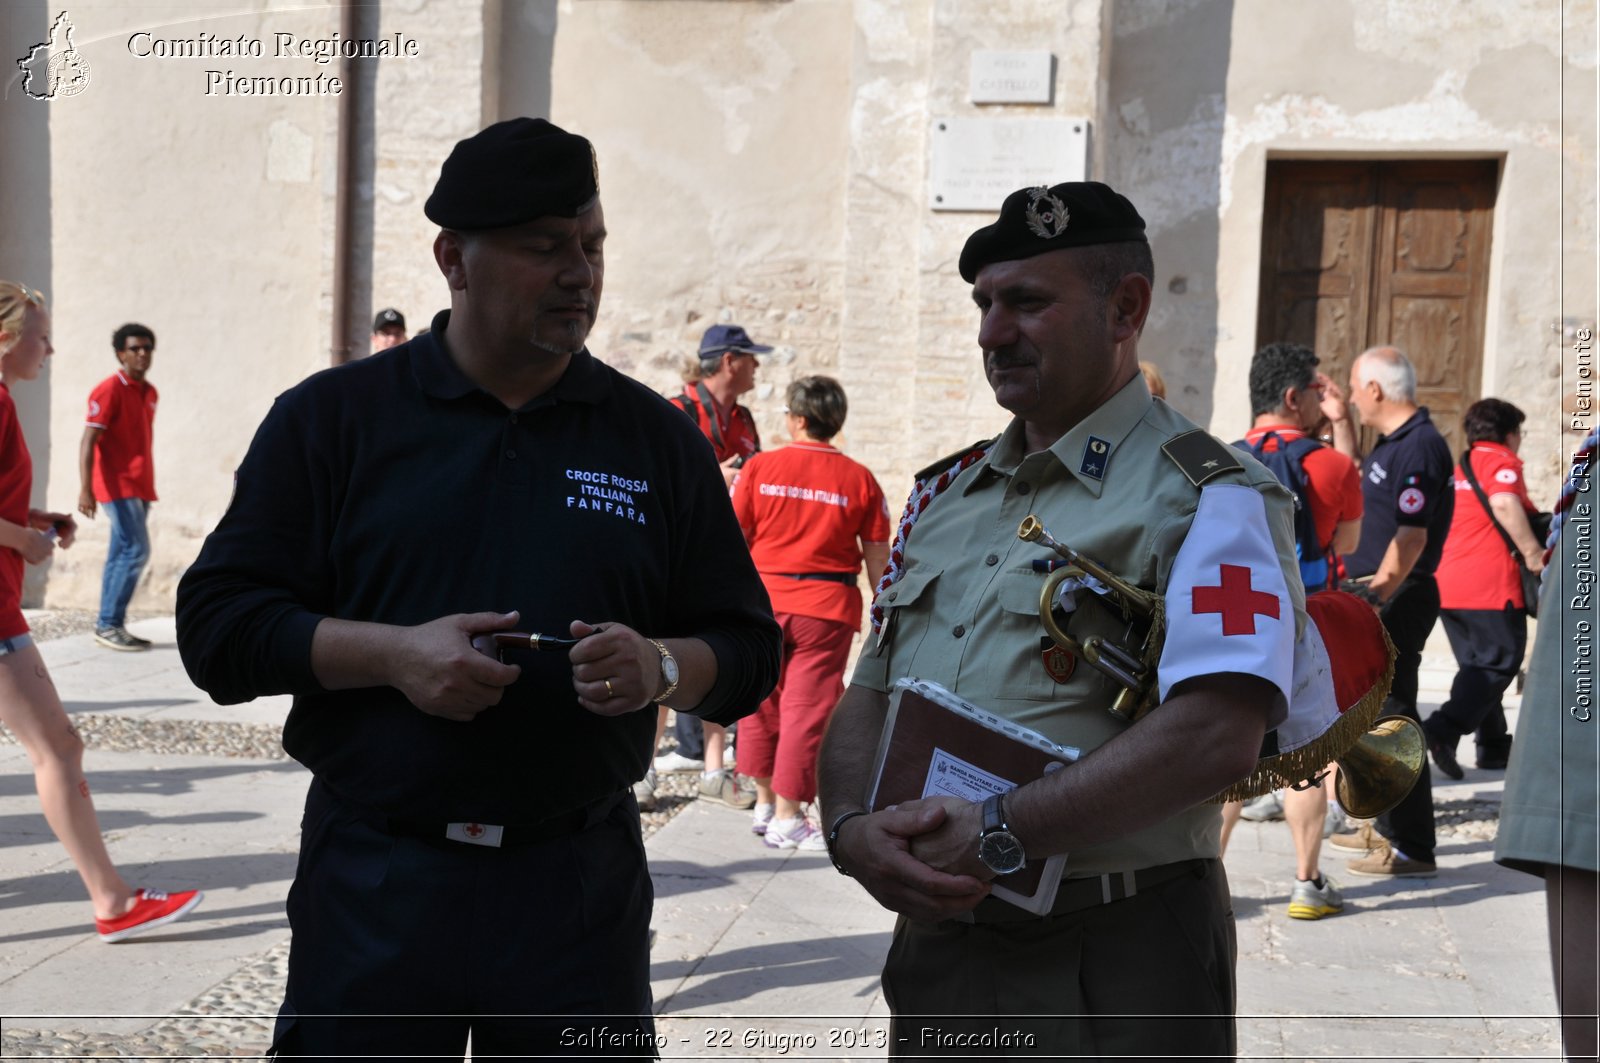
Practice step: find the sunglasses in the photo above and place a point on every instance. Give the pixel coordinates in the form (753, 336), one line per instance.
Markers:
(31, 296)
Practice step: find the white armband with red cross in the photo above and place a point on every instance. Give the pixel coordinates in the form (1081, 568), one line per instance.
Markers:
(1228, 606)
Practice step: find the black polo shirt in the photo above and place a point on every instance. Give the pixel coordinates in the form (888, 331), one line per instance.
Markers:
(393, 489)
(1407, 480)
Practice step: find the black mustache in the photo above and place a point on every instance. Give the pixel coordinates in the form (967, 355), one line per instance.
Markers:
(1002, 359)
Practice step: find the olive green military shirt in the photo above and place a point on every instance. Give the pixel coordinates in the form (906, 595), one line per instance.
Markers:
(965, 612)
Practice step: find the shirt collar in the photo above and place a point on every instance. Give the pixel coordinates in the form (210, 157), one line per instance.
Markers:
(1110, 423)
(1288, 431)
(1410, 424)
(1491, 445)
(437, 374)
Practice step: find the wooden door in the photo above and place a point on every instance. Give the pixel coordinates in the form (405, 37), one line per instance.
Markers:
(1362, 254)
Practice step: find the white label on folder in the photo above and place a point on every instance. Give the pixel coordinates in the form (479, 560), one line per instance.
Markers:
(950, 776)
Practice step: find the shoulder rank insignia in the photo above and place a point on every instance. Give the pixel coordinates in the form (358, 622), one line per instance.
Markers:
(953, 459)
(1201, 455)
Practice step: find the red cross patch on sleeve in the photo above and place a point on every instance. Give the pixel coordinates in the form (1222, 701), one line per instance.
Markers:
(1228, 602)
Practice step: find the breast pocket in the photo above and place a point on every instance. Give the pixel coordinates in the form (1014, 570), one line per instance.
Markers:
(1019, 646)
(907, 607)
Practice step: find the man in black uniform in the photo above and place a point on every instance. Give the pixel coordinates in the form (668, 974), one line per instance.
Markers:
(1408, 491)
(490, 474)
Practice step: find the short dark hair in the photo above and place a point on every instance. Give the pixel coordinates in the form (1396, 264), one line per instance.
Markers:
(120, 338)
(1104, 265)
(820, 400)
(1276, 368)
(1491, 420)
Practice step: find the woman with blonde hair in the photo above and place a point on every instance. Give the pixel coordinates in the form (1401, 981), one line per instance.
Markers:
(29, 705)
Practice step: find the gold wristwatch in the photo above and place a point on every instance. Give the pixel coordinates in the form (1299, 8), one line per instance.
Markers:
(669, 671)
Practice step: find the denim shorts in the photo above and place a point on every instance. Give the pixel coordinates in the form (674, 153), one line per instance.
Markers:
(12, 645)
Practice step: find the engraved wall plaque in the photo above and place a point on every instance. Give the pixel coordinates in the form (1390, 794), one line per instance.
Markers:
(1011, 77)
(976, 162)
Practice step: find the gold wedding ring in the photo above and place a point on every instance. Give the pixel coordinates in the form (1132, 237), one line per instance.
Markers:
(609, 692)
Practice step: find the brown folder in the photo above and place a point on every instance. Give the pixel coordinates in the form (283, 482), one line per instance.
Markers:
(937, 743)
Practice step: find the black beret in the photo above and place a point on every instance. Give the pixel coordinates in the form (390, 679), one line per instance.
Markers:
(513, 172)
(1035, 220)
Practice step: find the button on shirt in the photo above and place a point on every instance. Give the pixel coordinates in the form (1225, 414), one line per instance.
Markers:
(394, 490)
(975, 628)
(1407, 481)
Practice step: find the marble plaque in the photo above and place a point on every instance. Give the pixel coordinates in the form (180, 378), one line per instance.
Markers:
(1011, 77)
(976, 162)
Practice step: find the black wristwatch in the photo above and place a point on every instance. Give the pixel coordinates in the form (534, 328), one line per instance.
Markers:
(998, 848)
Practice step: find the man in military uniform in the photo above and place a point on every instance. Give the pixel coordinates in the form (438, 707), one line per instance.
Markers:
(1142, 924)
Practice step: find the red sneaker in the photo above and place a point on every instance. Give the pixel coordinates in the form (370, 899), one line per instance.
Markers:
(151, 909)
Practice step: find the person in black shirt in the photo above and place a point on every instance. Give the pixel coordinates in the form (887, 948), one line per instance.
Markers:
(1408, 492)
(487, 475)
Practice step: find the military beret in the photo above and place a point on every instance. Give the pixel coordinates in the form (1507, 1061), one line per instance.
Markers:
(513, 172)
(1036, 220)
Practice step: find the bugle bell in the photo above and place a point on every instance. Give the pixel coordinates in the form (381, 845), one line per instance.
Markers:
(1381, 767)
(1131, 661)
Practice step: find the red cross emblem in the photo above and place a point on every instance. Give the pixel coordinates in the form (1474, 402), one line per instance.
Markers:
(475, 830)
(1237, 603)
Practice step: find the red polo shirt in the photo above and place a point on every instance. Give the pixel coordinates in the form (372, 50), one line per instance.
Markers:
(807, 508)
(734, 434)
(16, 482)
(126, 410)
(1332, 480)
(1477, 571)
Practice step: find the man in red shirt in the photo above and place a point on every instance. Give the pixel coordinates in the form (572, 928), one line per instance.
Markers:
(1480, 589)
(727, 370)
(1286, 397)
(728, 367)
(117, 471)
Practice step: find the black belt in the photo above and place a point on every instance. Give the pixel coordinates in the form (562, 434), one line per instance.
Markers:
(1076, 894)
(847, 578)
(492, 835)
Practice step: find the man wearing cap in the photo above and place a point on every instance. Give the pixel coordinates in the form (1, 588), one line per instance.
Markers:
(489, 475)
(727, 370)
(388, 329)
(1136, 954)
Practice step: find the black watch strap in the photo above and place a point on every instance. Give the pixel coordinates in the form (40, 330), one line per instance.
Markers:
(833, 839)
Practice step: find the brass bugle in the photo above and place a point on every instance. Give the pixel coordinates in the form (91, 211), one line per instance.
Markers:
(1381, 768)
(1142, 602)
(1133, 665)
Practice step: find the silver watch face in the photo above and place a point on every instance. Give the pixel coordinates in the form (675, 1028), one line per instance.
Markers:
(669, 669)
(1001, 852)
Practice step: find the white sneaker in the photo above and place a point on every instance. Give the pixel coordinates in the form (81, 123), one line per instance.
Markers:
(1263, 808)
(759, 818)
(676, 763)
(798, 834)
(644, 791)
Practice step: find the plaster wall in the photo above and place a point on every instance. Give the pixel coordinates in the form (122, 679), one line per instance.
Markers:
(210, 219)
(204, 218)
(720, 131)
